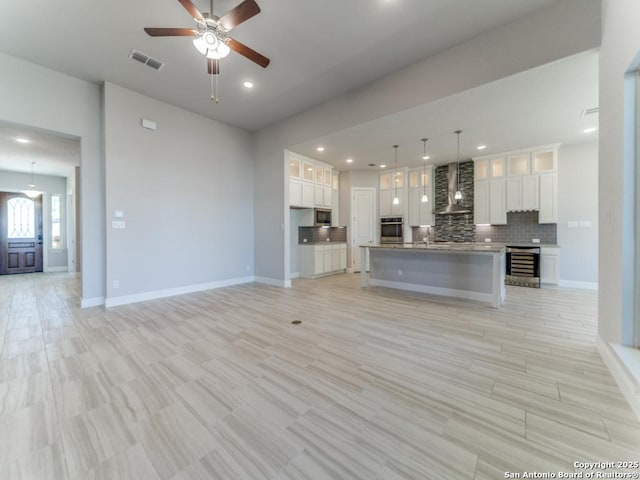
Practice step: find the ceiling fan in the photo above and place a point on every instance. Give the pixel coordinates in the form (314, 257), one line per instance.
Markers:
(211, 33)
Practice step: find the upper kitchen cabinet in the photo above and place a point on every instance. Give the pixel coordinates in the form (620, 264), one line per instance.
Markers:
(335, 198)
(309, 182)
(420, 213)
(529, 183)
(486, 168)
(544, 161)
(390, 183)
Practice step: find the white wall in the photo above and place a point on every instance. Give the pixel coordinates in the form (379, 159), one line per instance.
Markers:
(505, 51)
(49, 185)
(39, 97)
(578, 201)
(618, 54)
(186, 193)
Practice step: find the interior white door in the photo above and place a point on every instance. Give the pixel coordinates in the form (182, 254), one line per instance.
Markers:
(363, 221)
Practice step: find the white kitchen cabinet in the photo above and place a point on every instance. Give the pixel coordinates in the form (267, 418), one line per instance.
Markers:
(318, 260)
(548, 212)
(497, 202)
(514, 194)
(530, 192)
(335, 257)
(295, 193)
(544, 161)
(522, 193)
(489, 202)
(481, 202)
(305, 176)
(307, 171)
(550, 265)
(318, 196)
(518, 164)
(307, 195)
(326, 197)
(328, 267)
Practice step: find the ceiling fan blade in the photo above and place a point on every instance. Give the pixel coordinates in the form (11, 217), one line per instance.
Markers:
(239, 14)
(247, 52)
(192, 9)
(213, 66)
(171, 32)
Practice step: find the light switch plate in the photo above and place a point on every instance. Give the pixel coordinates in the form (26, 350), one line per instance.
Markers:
(118, 214)
(535, 240)
(585, 223)
(487, 240)
(118, 224)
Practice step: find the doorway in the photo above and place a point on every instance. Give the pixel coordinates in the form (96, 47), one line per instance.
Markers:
(20, 233)
(363, 221)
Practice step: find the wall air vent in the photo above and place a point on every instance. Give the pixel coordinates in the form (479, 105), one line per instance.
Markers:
(589, 111)
(146, 59)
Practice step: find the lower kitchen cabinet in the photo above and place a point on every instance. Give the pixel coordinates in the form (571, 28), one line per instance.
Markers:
(319, 260)
(550, 265)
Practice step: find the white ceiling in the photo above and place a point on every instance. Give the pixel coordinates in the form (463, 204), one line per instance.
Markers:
(318, 50)
(537, 107)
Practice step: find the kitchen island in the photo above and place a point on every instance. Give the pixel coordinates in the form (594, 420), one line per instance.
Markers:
(470, 271)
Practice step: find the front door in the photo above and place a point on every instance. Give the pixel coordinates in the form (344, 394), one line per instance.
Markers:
(20, 233)
(363, 216)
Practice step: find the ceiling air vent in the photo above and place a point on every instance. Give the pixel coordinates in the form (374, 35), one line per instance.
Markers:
(589, 111)
(146, 59)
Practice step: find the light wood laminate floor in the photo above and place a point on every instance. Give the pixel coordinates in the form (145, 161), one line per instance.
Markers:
(374, 384)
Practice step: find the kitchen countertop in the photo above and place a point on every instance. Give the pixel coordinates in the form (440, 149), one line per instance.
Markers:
(445, 247)
(322, 243)
(522, 244)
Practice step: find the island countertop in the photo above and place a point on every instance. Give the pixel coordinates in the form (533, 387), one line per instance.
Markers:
(441, 247)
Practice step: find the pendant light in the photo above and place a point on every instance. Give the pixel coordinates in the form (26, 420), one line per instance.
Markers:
(396, 200)
(31, 192)
(458, 194)
(424, 199)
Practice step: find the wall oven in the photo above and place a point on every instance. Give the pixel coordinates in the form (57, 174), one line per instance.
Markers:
(523, 266)
(321, 217)
(391, 230)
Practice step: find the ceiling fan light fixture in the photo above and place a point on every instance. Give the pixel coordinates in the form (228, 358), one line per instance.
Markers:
(198, 42)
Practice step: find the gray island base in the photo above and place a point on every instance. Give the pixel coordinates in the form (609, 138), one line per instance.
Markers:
(469, 271)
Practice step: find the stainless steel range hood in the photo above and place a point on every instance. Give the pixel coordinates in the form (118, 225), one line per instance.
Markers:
(452, 204)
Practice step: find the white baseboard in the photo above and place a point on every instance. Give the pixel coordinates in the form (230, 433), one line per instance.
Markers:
(576, 284)
(170, 292)
(274, 282)
(56, 269)
(620, 368)
(91, 302)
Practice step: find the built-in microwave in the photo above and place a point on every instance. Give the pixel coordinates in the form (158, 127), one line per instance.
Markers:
(322, 217)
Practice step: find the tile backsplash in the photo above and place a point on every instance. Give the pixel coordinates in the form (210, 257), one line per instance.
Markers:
(521, 228)
(458, 227)
(321, 234)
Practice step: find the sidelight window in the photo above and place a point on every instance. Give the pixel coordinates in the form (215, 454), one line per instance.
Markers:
(21, 221)
(56, 232)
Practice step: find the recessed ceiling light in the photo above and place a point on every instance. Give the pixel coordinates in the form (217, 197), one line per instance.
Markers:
(349, 160)
(426, 157)
(320, 149)
(590, 130)
(247, 84)
(481, 147)
(383, 166)
(22, 140)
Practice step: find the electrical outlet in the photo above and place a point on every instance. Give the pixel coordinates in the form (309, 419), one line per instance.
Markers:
(487, 240)
(535, 240)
